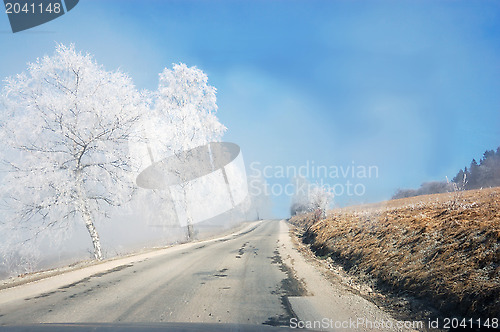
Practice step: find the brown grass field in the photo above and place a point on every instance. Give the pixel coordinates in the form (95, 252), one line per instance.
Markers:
(443, 249)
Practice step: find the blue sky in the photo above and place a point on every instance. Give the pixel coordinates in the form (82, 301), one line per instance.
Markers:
(411, 87)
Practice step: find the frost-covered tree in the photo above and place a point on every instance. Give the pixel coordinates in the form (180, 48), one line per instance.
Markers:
(65, 127)
(310, 198)
(183, 116)
(320, 199)
(184, 112)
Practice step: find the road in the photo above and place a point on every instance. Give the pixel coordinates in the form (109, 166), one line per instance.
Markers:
(235, 279)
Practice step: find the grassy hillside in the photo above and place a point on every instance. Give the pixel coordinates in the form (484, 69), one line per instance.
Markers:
(444, 249)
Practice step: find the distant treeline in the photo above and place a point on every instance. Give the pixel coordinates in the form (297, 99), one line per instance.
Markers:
(482, 175)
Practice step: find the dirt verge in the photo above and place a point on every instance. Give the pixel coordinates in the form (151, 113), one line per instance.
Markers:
(439, 253)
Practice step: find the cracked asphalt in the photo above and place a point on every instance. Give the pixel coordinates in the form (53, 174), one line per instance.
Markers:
(238, 279)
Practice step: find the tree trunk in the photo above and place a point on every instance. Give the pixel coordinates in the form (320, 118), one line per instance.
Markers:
(96, 242)
(189, 228)
(89, 223)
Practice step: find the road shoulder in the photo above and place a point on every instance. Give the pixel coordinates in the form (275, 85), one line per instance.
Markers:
(329, 303)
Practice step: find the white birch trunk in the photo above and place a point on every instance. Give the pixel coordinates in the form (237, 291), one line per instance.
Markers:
(89, 223)
(96, 242)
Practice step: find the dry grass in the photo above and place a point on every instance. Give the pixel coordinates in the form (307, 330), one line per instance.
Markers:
(444, 249)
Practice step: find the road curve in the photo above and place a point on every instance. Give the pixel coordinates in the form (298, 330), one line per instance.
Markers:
(237, 279)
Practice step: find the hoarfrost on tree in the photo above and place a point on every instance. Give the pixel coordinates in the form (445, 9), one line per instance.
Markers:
(184, 112)
(65, 126)
(183, 117)
(310, 197)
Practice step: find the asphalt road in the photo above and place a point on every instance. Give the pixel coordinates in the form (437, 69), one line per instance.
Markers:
(237, 279)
